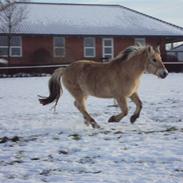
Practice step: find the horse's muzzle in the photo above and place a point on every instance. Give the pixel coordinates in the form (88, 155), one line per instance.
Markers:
(163, 74)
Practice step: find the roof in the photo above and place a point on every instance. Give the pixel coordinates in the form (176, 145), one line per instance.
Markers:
(93, 19)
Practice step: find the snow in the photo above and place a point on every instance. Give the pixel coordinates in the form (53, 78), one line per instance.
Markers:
(42, 146)
(3, 61)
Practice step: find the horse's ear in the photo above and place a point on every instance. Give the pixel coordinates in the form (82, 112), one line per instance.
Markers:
(138, 44)
(157, 49)
(149, 49)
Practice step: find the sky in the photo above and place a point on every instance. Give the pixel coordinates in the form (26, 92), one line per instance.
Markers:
(167, 10)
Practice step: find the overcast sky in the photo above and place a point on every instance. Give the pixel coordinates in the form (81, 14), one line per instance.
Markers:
(168, 10)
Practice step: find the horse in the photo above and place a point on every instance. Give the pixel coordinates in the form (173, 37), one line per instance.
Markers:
(118, 79)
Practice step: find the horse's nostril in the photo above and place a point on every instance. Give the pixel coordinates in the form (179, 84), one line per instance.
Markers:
(164, 74)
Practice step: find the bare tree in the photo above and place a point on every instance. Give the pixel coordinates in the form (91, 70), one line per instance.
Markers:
(11, 15)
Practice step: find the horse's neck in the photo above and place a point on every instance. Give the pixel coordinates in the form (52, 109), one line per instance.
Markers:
(135, 66)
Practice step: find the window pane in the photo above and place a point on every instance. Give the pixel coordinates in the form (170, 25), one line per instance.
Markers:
(59, 41)
(107, 43)
(142, 41)
(3, 51)
(89, 42)
(171, 53)
(3, 41)
(16, 41)
(180, 56)
(108, 56)
(89, 52)
(108, 50)
(59, 52)
(15, 52)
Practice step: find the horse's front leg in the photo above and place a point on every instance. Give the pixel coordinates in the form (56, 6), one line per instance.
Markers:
(122, 102)
(88, 119)
(135, 98)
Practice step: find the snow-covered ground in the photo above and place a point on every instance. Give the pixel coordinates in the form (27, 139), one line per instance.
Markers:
(38, 145)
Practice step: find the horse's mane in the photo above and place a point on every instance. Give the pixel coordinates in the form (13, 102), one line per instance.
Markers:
(129, 52)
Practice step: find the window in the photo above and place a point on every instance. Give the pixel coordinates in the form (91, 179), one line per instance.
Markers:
(89, 47)
(142, 41)
(15, 46)
(59, 46)
(180, 56)
(108, 48)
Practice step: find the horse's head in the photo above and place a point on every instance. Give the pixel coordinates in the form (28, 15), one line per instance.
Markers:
(154, 64)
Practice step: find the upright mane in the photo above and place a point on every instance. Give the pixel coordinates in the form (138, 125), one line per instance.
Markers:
(129, 52)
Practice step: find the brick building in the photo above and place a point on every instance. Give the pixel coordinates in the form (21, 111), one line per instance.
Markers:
(62, 33)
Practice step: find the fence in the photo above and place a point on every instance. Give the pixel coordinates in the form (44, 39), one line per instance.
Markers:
(49, 69)
(175, 56)
(28, 70)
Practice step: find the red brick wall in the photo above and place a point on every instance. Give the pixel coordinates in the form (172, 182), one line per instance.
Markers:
(120, 43)
(30, 46)
(33, 46)
(74, 49)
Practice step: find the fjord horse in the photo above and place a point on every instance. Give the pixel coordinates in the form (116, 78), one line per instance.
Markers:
(118, 79)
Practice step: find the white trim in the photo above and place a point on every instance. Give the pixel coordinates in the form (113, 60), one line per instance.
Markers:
(60, 47)
(90, 47)
(103, 47)
(16, 55)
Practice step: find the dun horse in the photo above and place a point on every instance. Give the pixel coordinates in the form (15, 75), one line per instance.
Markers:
(118, 79)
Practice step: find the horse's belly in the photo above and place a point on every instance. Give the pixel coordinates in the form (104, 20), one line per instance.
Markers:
(97, 90)
(102, 95)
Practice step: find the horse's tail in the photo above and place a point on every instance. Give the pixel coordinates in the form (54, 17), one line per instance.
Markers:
(55, 88)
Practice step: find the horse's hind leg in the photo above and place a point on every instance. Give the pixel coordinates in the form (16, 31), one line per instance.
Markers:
(135, 98)
(80, 104)
(122, 102)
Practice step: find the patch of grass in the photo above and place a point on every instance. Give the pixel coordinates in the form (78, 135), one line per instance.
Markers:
(75, 136)
(179, 170)
(63, 152)
(171, 129)
(7, 139)
(35, 159)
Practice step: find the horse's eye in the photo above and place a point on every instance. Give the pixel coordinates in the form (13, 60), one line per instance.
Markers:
(154, 60)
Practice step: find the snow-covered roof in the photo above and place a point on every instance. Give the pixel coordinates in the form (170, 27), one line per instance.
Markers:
(84, 19)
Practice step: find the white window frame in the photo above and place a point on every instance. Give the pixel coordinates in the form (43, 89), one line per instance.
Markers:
(141, 40)
(90, 47)
(104, 55)
(11, 47)
(61, 47)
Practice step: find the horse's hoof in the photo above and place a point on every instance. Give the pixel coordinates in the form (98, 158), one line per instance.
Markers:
(112, 119)
(133, 118)
(87, 123)
(95, 125)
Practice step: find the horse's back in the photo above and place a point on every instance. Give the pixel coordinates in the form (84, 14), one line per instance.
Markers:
(83, 67)
(80, 68)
